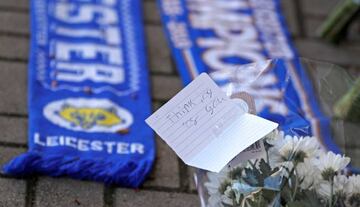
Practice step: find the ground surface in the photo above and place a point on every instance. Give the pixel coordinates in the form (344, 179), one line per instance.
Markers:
(171, 182)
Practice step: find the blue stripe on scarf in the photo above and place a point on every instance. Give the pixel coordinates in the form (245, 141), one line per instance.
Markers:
(88, 93)
(199, 33)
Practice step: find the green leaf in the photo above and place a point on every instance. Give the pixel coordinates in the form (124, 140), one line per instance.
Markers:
(286, 193)
(262, 198)
(253, 177)
(236, 173)
(224, 185)
(265, 168)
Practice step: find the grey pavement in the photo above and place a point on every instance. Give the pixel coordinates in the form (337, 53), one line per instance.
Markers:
(170, 183)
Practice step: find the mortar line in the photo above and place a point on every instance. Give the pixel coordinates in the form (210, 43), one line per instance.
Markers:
(14, 34)
(152, 23)
(158, 73)
(13, 145)
(108, 196)
(30, 191)
(299, 18)
(13, 115)
(16, 60)
(14, 9)
(165, 189)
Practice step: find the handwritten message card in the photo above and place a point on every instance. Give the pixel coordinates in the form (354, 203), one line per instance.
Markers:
(204, 127)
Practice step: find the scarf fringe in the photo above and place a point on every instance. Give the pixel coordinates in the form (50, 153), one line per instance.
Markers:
(107, 170)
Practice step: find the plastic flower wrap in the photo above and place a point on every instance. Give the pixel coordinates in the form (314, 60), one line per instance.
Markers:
(296, 169)
(296, 172)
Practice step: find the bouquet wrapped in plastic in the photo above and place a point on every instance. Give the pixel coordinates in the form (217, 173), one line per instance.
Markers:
(304, 162)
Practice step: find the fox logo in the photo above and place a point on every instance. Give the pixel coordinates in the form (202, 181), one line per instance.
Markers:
(88, 115)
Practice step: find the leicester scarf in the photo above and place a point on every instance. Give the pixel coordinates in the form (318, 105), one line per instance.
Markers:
(88, 93)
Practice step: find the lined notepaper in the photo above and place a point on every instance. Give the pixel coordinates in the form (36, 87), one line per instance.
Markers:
(204, 127)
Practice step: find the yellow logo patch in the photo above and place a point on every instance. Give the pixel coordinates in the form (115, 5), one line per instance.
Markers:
(88, 115)
(86, 118)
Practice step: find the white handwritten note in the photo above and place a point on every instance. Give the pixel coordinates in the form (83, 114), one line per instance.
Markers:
(204, 127)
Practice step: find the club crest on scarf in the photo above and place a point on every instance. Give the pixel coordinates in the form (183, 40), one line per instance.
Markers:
(88, 115)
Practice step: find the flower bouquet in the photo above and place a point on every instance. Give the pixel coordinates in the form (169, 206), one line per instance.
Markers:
(295, 172)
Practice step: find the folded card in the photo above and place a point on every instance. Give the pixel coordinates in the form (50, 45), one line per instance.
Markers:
(206, 128)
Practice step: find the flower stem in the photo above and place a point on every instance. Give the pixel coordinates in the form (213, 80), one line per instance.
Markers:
(260, 199)
(296, 187)
(287, 179)
(331, 191)
(336, 24)
(267, 155)
(348, 106)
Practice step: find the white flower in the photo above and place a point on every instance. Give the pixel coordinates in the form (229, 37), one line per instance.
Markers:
(340, 186)
(293, 149)
(354, 184)
(215, 181)
(331, 163)
(274, 136)
(353, 191)
(226, 198)
(308, 175)
(285, 169)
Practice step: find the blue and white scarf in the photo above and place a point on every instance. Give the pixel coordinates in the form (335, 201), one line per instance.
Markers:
(217, 36)
(88, 93)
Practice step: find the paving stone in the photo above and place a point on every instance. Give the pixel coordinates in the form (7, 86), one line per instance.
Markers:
(158, 50)
(290, 14)
(342, 55)
(354, 71)
(13, 130)
(354, 154)
(312, 26)
(130, 198)
(165, 87)
(151, 12)
(67, 192)
(320, 8)
(19, 4)
(166, 168)
(13, 85)
(156, 105)
(14, 22)
(354, 32)
(7, 153)
(14, 47)
(12, 192)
